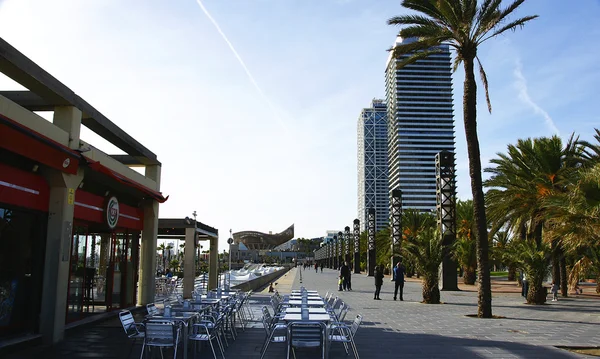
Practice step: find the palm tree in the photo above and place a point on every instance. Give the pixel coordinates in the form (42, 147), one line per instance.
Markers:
(162, 248)
(465, 249)
(414, 222)
(426, 251)
(530, 172)
(464, 25)
(533, 258)
(574, 216)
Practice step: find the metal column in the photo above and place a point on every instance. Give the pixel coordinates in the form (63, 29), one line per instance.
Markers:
(446, 216)
(371, 242)
(356, 246)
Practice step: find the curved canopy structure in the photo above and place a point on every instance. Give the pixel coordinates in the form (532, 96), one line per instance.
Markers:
(261, 241)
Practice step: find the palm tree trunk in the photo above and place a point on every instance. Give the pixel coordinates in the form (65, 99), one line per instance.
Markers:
(537, 293)
(431, 291)
(481, 234)
(469, 276)
(512, 272)
(564, 280)
(555, 263)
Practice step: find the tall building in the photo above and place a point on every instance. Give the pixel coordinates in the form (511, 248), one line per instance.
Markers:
(421, 124)
(373, 164)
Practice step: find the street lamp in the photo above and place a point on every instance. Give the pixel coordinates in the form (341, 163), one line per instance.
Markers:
(230, 242)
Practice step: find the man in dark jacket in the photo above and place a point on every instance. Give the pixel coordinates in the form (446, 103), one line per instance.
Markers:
(378, 281)
(345, 273)
(399, 279)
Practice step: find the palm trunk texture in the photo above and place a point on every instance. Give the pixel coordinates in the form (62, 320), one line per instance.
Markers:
(512, 273)
(469, 276)
(537, 293)
(431, 291)
(564, 280)
(481, 234)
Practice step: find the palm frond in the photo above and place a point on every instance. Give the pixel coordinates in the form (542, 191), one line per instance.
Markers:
(485, 84)
(511, 26)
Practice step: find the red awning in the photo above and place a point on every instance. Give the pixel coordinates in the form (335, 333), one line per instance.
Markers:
(98, 167)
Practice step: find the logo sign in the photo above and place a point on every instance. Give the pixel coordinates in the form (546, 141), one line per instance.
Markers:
(111, 212)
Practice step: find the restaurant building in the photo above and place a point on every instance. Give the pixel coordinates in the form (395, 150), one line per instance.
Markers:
(78, 227)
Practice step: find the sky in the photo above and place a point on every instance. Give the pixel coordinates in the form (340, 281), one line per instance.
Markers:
(252, 105)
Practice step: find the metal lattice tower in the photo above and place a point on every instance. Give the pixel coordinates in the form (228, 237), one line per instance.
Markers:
(342, 247)
(356, 246)
(336, 251)
(396, 225)
(371, 242)
(446, 215)
(347, 240)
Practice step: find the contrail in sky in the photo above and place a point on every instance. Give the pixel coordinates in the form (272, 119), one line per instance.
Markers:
(524, 95)
(239, 58)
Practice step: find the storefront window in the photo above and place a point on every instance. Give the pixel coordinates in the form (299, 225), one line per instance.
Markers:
(103, 271)
(22, 246)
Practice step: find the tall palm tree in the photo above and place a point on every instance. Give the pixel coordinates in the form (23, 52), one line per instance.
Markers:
(464, 25)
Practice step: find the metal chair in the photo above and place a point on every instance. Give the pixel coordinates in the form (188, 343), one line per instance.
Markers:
(151, 308)
(161, 334)
(207, 331)
(307, 335)
(272, 326)
(132, 329)
(344, 334)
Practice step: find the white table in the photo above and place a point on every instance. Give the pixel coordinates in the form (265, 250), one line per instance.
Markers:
(310, 303)
(298, 310)
(292, 317)
(313, 292)
(310, 297)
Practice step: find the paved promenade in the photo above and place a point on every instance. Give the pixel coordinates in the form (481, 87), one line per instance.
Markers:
(392, 329)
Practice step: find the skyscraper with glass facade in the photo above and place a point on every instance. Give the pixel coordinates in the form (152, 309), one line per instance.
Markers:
(420, 124)
(372, 164)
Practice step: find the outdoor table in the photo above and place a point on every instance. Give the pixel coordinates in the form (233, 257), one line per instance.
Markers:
(181, 317)
(298, 310)
(293, 317)
(310, 303)
(310, 292)
(309, 297)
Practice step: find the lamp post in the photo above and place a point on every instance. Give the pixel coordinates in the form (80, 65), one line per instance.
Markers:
(230, 242)
(196, 236)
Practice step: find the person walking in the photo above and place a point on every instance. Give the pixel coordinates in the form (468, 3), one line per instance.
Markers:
(554, 291)
(399, 271)
(525, 287)
(345, 274)
(316, 267)
(378, 280)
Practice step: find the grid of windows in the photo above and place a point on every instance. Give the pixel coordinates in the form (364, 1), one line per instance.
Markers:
(421, 124)
(372, 164)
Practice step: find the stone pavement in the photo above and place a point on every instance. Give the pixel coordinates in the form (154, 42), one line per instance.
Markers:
(391, 329)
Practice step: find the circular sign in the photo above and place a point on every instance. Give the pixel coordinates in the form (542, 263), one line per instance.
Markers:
(230, 241)
(111, 212)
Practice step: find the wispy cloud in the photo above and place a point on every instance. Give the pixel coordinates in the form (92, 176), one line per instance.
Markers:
(241, 61)
(521, 85)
